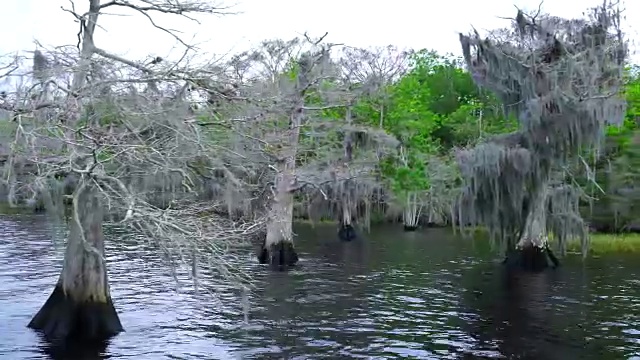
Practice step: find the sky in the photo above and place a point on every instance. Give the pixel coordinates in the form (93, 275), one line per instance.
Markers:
(405, 23)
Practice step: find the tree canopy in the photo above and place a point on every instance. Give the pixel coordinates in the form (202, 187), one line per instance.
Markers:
(200, 159)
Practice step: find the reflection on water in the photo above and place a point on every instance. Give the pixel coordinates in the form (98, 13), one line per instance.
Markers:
(395, 295)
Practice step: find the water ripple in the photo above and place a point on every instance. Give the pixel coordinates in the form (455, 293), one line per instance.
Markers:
(389, 297)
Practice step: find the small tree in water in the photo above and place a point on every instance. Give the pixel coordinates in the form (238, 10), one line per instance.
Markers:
(297, 111)
(561, 79)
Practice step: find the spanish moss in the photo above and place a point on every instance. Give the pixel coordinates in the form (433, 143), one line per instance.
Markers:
(561, 79)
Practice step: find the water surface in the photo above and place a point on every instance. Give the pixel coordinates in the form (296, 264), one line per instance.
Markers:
(424, 295)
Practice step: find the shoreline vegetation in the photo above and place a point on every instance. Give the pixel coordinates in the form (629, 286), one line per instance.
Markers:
(599, 243)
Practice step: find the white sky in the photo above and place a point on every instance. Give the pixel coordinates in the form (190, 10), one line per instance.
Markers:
(406, 23)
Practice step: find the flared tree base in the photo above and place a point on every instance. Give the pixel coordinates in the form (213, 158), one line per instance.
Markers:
(347, 233)
(62, 319)
(531, 258)
(434, 225)
(279, 256)
(410, 227)
(75, 350)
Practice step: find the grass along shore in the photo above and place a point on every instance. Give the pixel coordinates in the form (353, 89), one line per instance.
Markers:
(600, 244)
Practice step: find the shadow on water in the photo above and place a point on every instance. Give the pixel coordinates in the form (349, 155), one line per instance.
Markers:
(75, 351)
(390, 294)
(563, 314)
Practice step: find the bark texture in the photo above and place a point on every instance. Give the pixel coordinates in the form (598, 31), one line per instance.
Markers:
(80, 306)
(278, 250)
(346, 232)
(532, 252)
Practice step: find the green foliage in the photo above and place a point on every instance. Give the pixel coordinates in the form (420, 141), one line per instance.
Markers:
(214, 128)
(617, 170)
(292, 69)
(433, 108)
(411, 119)
(7, 130)
(606, 244)
(624, 155)
(102, 113)
(464, 112)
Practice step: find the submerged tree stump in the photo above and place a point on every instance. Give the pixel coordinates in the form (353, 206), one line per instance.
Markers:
(66, 316)
(346, 232)
(280, 256)
(80, 307)
(410, 227)
(531, 258)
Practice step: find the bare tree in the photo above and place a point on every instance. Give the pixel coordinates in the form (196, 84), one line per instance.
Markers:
(306, 72)
(295, 128)
(118, 136)
(365, 76)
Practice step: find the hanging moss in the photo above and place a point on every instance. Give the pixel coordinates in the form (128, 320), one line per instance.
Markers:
(561, 78)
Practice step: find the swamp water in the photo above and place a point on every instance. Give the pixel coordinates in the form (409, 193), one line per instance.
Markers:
(422, 295)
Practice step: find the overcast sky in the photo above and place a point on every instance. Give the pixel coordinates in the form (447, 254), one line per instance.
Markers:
(405, 23)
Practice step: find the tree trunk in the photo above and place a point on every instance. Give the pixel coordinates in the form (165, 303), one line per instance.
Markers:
(535, 231)
(367, 215)
(10, 177)
(278, 250)
(412, 212)
(346, 232)
(532, 252)
(80, 305)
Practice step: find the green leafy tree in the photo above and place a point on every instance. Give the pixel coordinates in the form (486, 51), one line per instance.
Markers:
(617, 171)
(411, 119)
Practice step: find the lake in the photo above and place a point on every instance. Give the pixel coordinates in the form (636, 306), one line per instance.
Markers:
(391, 295)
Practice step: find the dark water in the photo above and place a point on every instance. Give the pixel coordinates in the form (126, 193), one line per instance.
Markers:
(398, 295)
